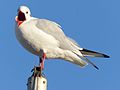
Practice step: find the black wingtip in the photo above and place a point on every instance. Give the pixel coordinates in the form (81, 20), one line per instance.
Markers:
(96, 67)
(94, 53)
(87, 60)
(106, 56)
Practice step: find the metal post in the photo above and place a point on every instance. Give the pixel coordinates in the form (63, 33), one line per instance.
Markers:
(37, 81)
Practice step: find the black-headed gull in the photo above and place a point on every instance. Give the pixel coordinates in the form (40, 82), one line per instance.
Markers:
(45, 37)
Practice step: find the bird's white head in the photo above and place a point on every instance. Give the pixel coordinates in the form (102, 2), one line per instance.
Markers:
(24, 14)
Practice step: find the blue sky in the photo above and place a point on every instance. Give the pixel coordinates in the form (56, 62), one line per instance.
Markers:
(94, 24)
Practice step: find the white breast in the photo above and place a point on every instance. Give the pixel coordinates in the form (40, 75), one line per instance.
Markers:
(34, 39)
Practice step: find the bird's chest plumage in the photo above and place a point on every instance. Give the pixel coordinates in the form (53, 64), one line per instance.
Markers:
(34, 39)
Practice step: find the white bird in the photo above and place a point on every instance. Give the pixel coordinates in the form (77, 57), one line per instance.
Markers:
(46, 38)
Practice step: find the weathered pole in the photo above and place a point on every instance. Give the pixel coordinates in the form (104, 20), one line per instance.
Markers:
(37, 81)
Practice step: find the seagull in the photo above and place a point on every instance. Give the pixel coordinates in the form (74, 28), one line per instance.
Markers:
(46, 39)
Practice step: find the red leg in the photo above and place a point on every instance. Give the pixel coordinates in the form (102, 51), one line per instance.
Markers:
(42, 62)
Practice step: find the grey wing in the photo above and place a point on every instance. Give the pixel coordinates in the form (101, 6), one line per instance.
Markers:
(55, 30)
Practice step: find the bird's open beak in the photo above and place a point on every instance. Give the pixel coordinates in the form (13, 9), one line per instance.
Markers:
(21, 16)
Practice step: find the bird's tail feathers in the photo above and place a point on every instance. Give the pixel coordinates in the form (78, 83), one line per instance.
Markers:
(88, 61)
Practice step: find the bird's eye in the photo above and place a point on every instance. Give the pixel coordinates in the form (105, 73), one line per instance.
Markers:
(26, 12)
